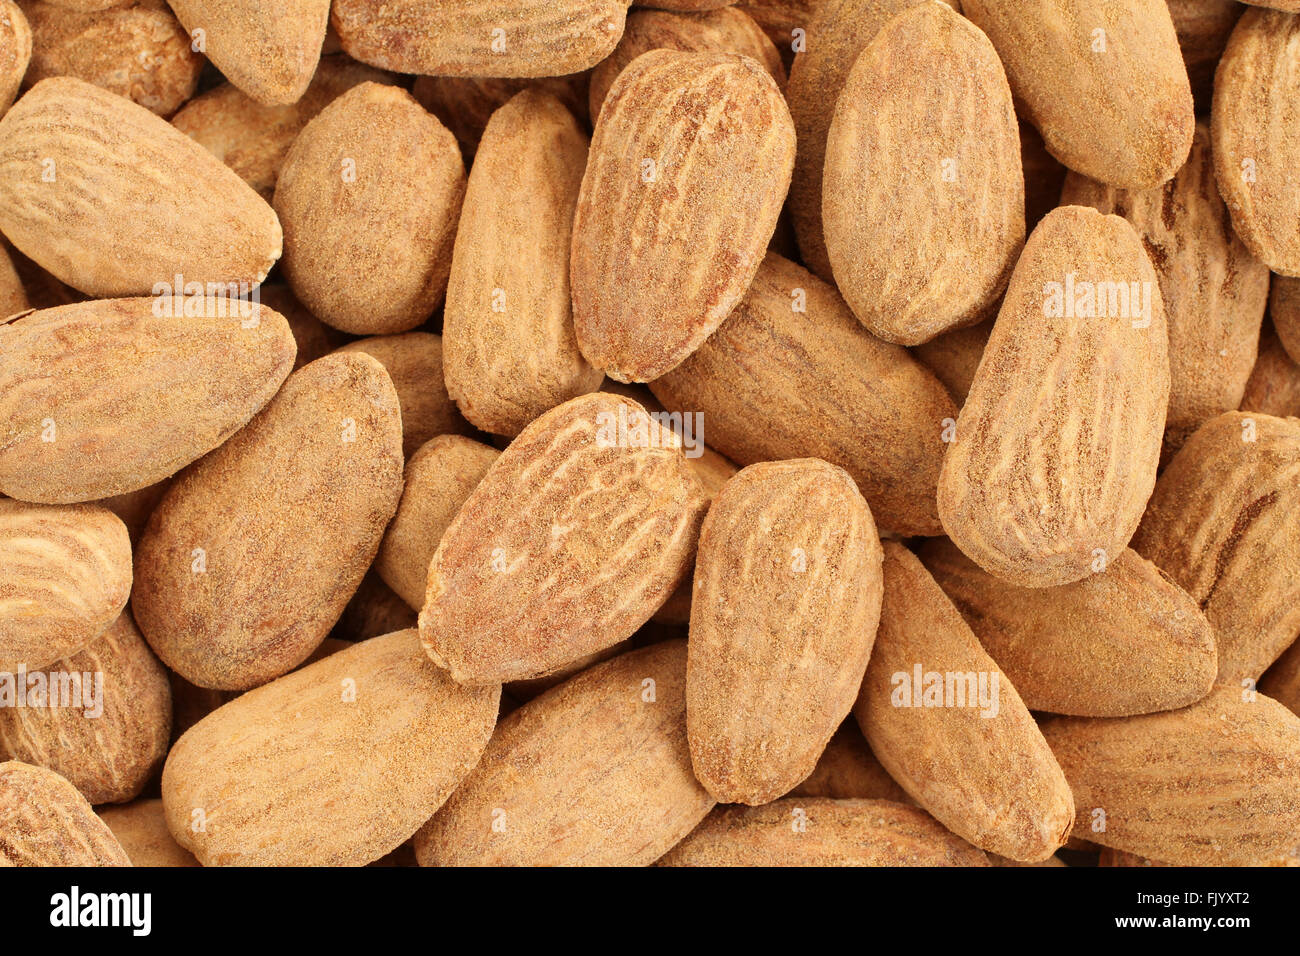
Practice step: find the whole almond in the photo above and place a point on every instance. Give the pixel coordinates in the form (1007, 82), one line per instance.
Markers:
(65, 575)
(689, 167)
(1257, 135)
(136, 50)
(112, 736)
(520, 38)
(439, 477)
(783, 616)
(1274, 385)
(724, 30)
(511, 352)
(13, 298)
(1284, 307)
(1214, 290)
(44, 821)
(321, 463)
(267, 50)
(333, 765)
(595, 772)
(1224, 523)
(978, 763)
(1037, 485)
(113, 201)
(1212, 784)
(847, 769)
(1104, 82)
(158, 390)
(1126, 640)
(823, 382)
(141, 828)
(576, 534)
(369, 196)
(15, 51)
(923, 221)
(815, 831)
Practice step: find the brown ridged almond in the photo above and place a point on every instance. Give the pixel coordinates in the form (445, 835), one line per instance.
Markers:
(15, 51)
(44, 821)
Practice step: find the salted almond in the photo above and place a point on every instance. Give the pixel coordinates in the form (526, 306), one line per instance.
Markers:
(1274, 385)
(141, 828)
(464, 104)
(321, 463)
(815, 831)
(950, 728)
(136, 201)
(689, 167)
(44, 821)
(1284, 307)
(333, 765)
(160, 388)
(15, 51)
(783, 616)
(847, 769)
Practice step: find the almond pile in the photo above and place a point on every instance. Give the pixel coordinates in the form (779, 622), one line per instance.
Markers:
(548, 432)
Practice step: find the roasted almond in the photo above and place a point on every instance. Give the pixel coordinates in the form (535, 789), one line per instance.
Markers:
(15, 51)
(44, 821)
(141, 828)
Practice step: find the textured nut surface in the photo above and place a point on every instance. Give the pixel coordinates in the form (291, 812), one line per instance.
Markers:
(834, 833)
(1224, 523)
(776, 383)
(106, 397)
(1115, 105)
(333, 765)
(15, 51)
(689, 167)
(110, 747)
(1244, 757)
(369, 196)
(112, 199)
(594, 772)
(847, 769)
(322, 463)
(65, 575)
(954, 356)
(573, 538)
(1274, 385)
(141, 828)
(1126, 640)
(464, 104)
(510, 348)
(783, 616)
(1036, 481)
(984, 771)
(44, 821)
(923, 199)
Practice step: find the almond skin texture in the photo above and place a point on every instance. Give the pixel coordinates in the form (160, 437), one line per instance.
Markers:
(1257, 135)
(595, 772)
(1122, 115)
(1224, 523)
(107, 397)
(847, 769)
(1123, 641)
(822, 383)
(783, 616)
(111, 748)
(369, 196)
(830, 833)
(954, 356)
(573, 538)
(141, 828)
(321, 464)
(267, 50)
(132, 201)
(44, 821)
(333, 765)
(726, 30)
(989, 777)
(1274, 385)
(510, 349)
(15, 51)
(1284, 307)
(522, 38)
(1214, 290)
(136, 50)
(923, 201)
(1037, 481)
(65, 575)
(439, 477)
(1243, 758)
(464, 104)
(689, 167)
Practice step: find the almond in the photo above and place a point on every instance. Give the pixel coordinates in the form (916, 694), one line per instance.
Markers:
(847, 769)
(141, 828)
(970, 754)
(321, 463)
(113, 201)
(106, 397)
(464, 104)
(689, 167)
(783, 616)
(779, 19)
(575, 535)
(334, 765)
(15, 51)
(1274, 386)
(1284, 307)
(1035, 485)
(924, 220)
(954, 356)
(595, 772)
(44, 821)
